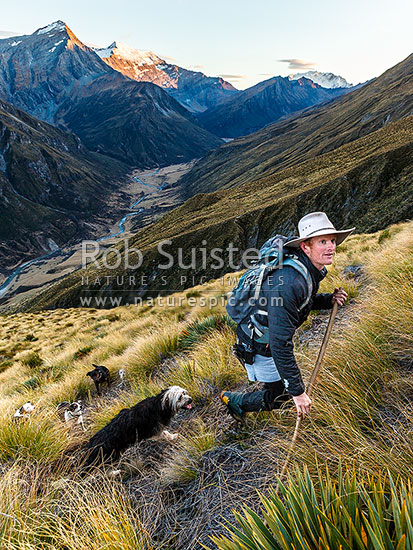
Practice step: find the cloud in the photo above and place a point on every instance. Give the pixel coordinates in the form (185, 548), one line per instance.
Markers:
(196, 67)
(94, 46)
(298, 63)
(8, 34)
(265, 74)
(232, 76)
(168, 59)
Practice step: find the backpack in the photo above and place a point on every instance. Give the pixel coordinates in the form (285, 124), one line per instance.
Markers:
(244, 300)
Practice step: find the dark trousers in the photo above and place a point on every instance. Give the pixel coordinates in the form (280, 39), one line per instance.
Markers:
(271, 397)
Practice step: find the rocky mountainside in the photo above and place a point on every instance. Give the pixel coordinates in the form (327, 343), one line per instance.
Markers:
(263, 104)
(39, 71)
(51, 72)
(192, 89)
(50, 185)
(312, 132)
(327, 80)
(366, 183)
(135, 122)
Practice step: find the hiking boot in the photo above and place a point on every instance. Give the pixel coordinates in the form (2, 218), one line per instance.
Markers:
(233, 402)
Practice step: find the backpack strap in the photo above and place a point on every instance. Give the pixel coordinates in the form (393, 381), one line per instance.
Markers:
(301, 268)
(259, 282)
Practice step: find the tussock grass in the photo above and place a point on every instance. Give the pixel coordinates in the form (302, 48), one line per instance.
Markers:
(209, 368)
(362, 405)
(38, 438)
(67, 514)
(193, 332)
(183, 467)
(152, 349)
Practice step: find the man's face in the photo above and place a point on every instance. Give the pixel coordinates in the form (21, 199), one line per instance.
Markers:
(320, 250)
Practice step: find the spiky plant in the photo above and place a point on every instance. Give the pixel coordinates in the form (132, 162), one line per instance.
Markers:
(352, 513)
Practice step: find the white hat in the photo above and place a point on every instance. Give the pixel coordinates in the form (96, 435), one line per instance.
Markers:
(315, 225)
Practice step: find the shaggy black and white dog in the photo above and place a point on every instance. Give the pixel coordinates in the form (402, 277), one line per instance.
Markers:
(146, 419)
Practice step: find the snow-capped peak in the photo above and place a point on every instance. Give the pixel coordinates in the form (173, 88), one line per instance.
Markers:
(123, 51)
(57, 26)
(326, 80)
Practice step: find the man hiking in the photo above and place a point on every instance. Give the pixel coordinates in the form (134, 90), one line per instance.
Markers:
(265, 339)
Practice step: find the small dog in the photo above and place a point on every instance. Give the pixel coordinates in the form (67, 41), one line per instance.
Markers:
(99, 375)
(24, 411)
(146, 419)
(70, 412)
(122, 376)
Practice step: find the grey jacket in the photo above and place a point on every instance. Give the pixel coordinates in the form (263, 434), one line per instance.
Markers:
(285, 291)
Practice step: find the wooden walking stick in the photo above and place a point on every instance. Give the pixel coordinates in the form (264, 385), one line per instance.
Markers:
(314, 374)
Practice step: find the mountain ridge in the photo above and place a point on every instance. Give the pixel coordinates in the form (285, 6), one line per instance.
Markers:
(263, 104)
(192, 89)
(312, 132)
(51, 70)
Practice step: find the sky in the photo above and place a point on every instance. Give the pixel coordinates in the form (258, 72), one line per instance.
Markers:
(244, 41)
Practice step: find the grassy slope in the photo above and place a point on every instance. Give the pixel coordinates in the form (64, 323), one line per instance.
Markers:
(313, 132)
(356, 184)
(175, 495)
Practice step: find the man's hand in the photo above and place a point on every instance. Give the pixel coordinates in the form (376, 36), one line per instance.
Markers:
(303, 404)
(339, 296)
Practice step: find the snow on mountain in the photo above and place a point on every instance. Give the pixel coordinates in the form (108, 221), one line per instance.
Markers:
(326, 80)
(194, 90)
(38, 71)
(56, 26)
(123, 51)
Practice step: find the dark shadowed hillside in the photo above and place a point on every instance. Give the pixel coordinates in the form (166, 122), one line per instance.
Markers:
(49, 184)
(366, 183)
(136, 122)
(266, 102)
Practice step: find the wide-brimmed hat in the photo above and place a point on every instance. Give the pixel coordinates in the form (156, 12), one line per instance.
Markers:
(315, 225)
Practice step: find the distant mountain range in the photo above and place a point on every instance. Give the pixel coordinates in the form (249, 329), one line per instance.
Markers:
(53, 76)
(327, 80)
(192, 89)
(312, 132)
(263, 104)
(93, 92)
(220, 108)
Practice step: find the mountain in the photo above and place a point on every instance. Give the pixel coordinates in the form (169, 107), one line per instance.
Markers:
(39, 71)
(263, 104)
(326, 80)
(135, 122)
(312, 132)
(51, 186)
(51, 75)
(366, 183)
(192, 89)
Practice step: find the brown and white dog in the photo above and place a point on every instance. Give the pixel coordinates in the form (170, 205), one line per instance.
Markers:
(71, 412)
(146, 419)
